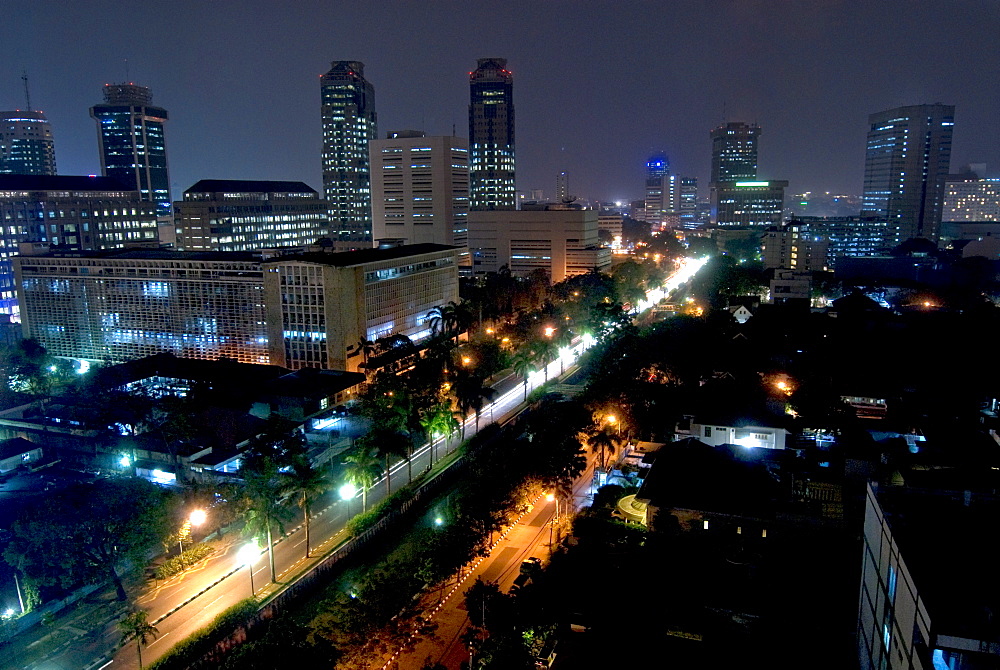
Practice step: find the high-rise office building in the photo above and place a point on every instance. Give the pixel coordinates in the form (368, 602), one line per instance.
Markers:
(687, 201)
(233, 215)
(752, 204)
(657, 190)
(420, 190)
(131, 141)
(68, 213)
(491, 136)
(907, 159)
(349, 123)
(26, 145)
(972, 200)
(562, 187)
(734, 151)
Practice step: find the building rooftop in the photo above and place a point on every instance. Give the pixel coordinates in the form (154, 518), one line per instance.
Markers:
(157, 254)
(312, 382)
(945, 539)
(38, 182)
(247, 186)
(727, 479)
(361, 256)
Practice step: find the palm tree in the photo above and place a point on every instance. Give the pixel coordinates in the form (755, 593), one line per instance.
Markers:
(471, 394)
(605, 442)
(385, 443)
(522, 363)
(545, 349)
(265, 508)
(436, 320)
(438, 420)
(305, 484)
(135, 626)
(564, 338)
(362, 468)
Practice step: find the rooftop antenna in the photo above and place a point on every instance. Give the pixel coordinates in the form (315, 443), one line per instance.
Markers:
(126, 72)
(453, 130)
(724, 112)
(27, 93)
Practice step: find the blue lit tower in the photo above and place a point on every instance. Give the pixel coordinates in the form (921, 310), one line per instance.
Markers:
(491, 136)
(907, 158)
(130, 136)
(657, 189)
(349, 122)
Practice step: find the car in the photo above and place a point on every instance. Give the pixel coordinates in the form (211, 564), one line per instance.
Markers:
(530, 566)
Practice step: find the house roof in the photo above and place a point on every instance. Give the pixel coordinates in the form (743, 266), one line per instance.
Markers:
(727, 479)
(15, 447)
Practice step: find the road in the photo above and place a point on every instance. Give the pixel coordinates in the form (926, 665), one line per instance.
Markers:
(530, 536)
(182, 605)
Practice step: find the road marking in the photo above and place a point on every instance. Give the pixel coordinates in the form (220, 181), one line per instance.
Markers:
(159, 638)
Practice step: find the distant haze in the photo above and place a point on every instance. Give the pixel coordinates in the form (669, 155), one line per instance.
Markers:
(598, 86)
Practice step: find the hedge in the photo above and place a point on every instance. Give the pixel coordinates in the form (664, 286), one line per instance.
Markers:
(199, 643)
(188, 558)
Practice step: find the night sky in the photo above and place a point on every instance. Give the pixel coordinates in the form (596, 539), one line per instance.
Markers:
(598, 86)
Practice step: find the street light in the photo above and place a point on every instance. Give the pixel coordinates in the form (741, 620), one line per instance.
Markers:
(246, 556)
(347, 493)
(197, 517)
(552, 522)
(549, 331)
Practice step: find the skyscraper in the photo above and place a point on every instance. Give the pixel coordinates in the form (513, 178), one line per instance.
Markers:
(906, 161)
(562, 186)
(420, 190)
(491, 135)
(26, 145)
(130, 136)
(349, 122)
(657, 189)
(734, 151)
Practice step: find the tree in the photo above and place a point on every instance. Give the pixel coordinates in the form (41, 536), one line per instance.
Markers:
(523, 362)
(386, 443)
(471, 394)
(605, 442)
(305, 484)
(545, 350)
(83, 533)
(135, 626)
(362, 469)
(436, 421)
(265, 509)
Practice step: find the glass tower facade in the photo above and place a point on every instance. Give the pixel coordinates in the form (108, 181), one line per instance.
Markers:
(734, 151)
(906, 161)
(26, 145)
(491, 136)
(130, 135)
(349, 123)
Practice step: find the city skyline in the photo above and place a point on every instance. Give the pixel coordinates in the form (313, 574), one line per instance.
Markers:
(670, 91)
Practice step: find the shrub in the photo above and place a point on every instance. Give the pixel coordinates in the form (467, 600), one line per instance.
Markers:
(178, 564)
(186, 652)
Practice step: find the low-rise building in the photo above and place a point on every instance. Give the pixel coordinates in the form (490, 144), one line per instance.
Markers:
(560, 240)
(322, 307)
(119, 305)
(790, 247)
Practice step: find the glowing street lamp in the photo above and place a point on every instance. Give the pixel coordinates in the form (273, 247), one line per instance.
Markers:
(246, 556)
(197, 517)
(549, 331)
(466, 361)
(347, 493)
